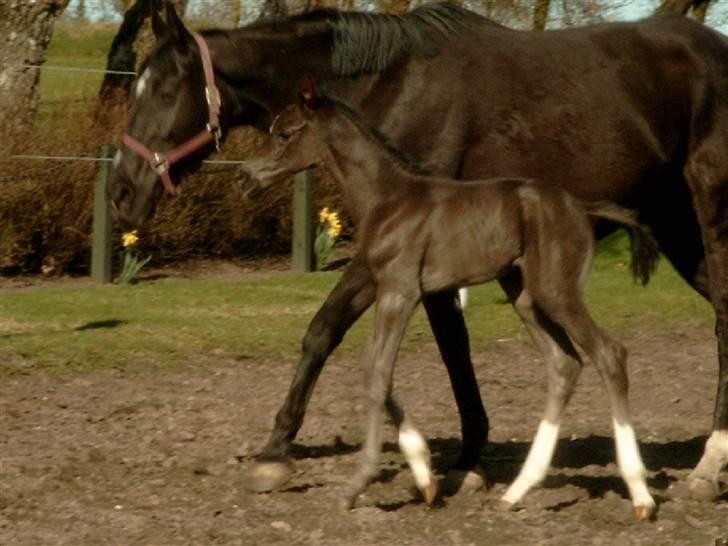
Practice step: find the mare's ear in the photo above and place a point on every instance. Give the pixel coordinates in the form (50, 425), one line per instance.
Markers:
(309, 93)
(159, 27)
(179, 33)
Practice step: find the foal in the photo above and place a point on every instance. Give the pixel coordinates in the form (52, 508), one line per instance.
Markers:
(536, 239)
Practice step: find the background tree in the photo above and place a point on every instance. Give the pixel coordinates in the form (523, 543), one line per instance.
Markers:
(25, 31)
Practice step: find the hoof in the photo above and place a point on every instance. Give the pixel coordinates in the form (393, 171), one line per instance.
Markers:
(429, 493)
(269, 475)
(704, 490)
(644, 513)
(345, 504)
(505, 506)
(463, 481)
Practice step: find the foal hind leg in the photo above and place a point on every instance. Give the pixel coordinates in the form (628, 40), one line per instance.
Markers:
(564, 366)
(707, 175)
(609, 358)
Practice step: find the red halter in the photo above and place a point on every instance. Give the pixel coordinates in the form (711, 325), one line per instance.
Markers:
(162, 162)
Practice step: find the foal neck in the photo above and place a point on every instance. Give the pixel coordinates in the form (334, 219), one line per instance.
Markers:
(366, 167)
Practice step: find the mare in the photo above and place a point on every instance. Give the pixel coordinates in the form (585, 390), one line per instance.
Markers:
(495, 228)
(634, 113)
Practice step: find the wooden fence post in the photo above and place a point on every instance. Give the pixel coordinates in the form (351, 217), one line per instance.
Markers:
(101, 250)
(303, 227)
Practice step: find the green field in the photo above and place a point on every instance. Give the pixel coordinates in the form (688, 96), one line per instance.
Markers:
(170, 321)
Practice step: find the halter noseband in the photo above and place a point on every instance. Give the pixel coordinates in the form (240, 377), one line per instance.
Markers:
(162, 162)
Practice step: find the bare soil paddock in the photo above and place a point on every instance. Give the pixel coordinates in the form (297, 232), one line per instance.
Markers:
(159, 457)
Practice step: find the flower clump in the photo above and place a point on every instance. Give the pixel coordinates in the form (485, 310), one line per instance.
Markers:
(327, 232)
(131, 262)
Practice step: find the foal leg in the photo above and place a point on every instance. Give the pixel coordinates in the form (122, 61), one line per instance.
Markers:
(394, 309)
(609, 358)
(564, 366)
(415, 450)
(707, 175)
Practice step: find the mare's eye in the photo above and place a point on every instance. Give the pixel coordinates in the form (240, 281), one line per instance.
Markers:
(284, 135)
(167, 98)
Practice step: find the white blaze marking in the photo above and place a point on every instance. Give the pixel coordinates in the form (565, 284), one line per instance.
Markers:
(117, 158)
(630, 465)
(416, 452)
(141, 83)
(537, 463)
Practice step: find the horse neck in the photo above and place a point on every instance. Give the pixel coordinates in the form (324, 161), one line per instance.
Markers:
(365, 171)
(275, 61)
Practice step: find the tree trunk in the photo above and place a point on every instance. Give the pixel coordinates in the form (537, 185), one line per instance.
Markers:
(273, 9)
(681, 7)
(541, 14)
(25, 31)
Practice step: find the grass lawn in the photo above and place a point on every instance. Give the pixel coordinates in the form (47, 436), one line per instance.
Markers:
(168, 321)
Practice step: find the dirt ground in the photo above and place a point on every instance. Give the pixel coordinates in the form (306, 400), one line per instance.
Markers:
(160, 457)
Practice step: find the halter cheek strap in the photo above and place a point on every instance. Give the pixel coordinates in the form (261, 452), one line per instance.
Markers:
(162, 162)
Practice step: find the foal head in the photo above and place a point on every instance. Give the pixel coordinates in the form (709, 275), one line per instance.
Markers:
(292, 145)
(171, 106)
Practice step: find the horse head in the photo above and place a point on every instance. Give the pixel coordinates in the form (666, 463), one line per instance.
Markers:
(173, 124)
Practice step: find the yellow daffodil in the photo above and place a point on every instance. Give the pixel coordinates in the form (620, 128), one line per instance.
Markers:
(334, 226)
(130, 238)
(324, 215)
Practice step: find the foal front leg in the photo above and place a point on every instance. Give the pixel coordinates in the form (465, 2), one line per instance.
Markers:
(394, 309)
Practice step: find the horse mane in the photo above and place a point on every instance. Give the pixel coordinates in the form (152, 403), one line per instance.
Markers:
(371, 42)
(403, 159)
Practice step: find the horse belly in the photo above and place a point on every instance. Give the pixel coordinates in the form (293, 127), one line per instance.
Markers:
(473, 244)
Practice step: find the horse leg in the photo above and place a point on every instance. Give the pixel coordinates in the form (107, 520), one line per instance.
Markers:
(564, 367)
(415, 450)
(394, 309)
(707, 175)
(451, 335)
(353, 294)
(609, 358)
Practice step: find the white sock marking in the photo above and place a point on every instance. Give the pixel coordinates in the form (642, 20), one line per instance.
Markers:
(417, 453)
(630, 465)
(463, 297)
(714, 458)
(537, 463)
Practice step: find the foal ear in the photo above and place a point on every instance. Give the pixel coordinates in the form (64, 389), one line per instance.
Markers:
(309, 92)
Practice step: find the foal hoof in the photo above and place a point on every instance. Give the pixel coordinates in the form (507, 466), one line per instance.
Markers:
(644, 513)
(429, 493)
(269, 475)
(345, 504)
(704, 490)
(506, 506)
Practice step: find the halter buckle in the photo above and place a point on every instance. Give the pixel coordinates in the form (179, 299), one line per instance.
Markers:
(159, 163)
(216, 133)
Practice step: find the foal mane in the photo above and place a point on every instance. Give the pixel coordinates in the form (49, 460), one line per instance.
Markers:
(371, 42)
(402, 158)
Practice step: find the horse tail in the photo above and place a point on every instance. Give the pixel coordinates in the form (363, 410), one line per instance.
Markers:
(645, 250)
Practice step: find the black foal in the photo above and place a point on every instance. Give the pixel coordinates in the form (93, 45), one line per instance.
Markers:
(536, 239)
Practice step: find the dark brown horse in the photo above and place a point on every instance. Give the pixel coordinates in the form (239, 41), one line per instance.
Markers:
(499, 228)
(635, 113)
